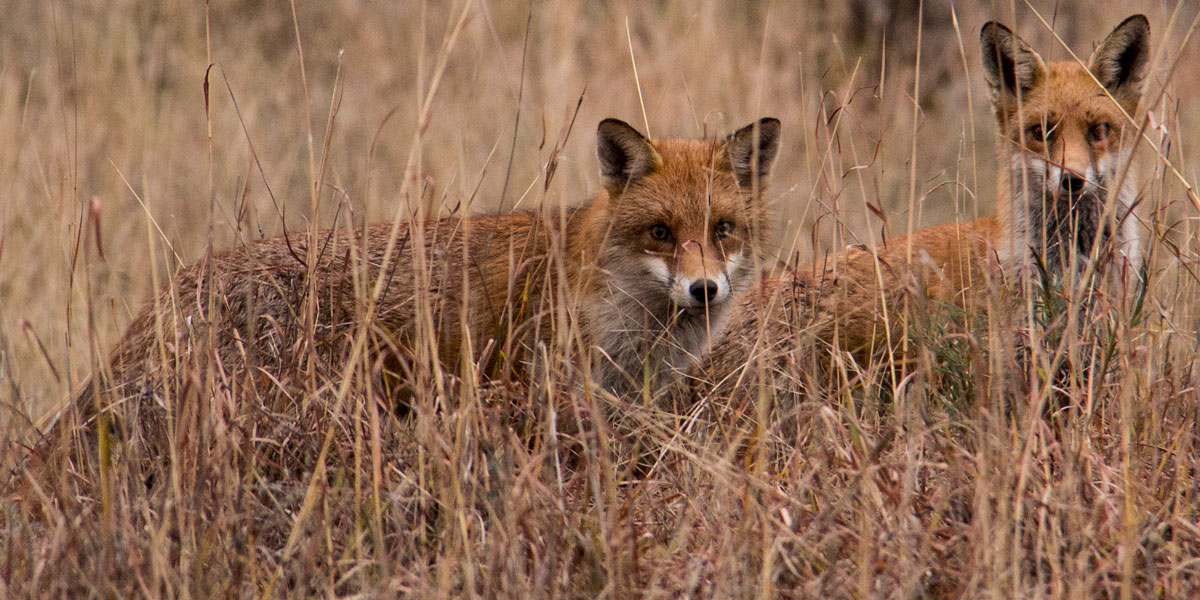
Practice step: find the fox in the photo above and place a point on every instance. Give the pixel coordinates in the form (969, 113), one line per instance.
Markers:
(649, 266)
(1065, 194)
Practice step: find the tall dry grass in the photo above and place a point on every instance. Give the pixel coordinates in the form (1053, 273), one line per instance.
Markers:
(126, 157)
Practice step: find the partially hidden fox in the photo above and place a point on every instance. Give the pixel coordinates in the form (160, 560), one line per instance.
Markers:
(1065, 194)
(648, 268)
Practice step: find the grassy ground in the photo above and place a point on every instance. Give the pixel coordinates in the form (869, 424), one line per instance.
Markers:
(126, 157)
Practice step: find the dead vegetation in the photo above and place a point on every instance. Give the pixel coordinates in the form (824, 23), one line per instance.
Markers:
(1059, 461)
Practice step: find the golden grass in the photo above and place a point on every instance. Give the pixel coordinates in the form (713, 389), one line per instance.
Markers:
(1076, 482)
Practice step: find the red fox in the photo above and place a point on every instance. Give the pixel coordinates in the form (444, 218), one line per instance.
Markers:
(1064, 140)
(649, 268)
(1065, 134)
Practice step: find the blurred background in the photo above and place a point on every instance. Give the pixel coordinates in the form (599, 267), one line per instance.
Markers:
(105, 126)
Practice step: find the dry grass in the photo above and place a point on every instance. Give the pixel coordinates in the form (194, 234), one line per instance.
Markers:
(1079, 480)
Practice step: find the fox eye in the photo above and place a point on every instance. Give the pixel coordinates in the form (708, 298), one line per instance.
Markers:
(1098, 132)
(660, 232)
(723, 229)
(1039, 133)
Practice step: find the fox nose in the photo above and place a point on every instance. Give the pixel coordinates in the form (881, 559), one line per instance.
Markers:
(1072, 183)
(703, 290)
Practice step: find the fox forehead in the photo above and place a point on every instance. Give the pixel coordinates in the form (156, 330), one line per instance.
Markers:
(1069, 92)
(692, 183)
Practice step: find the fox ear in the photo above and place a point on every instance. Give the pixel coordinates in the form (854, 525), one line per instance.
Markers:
(1120, 61)
(625, 155)
(752, 150)
(1009, 64)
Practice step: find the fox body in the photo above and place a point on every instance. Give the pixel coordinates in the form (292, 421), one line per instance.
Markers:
(648, 269)
(1064, 195)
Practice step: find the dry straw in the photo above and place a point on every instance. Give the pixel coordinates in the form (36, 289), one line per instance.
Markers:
(1061, 465)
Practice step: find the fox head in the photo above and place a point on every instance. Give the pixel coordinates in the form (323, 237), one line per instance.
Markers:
(684, 217)
(1065, 133)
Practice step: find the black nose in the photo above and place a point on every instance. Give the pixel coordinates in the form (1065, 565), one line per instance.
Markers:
(1072, 184)
(703, 290)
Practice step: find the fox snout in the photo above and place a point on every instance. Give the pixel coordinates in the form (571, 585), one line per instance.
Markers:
(705, 290)
(1072, 183)
(687, 292)
(700, 279)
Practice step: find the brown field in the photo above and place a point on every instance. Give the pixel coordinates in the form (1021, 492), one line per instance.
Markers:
(125, 157)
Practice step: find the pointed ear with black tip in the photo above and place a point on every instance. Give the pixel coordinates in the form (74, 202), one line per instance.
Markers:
(752, 150)
(1121, 61)
(625, 155)
(1010, 66)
